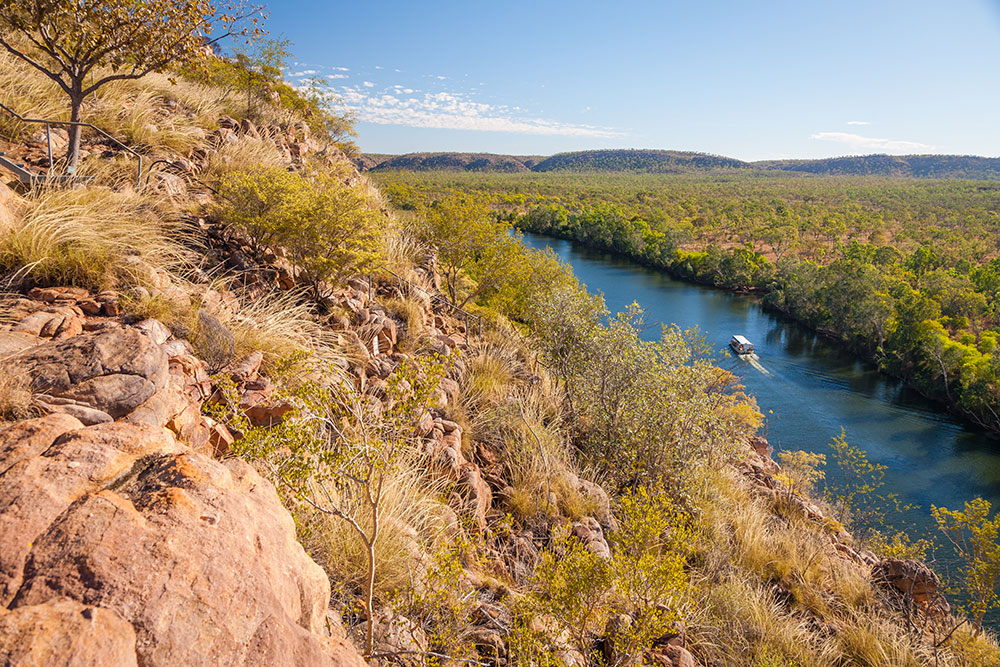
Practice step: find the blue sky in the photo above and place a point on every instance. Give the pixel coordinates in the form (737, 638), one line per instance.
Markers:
(752, 80)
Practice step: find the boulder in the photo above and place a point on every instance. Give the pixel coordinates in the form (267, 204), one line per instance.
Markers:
(197, 556)
(588, 531)
(911, 579)
(114, 370)
(41, 481)
(65, 632)
(601, 503)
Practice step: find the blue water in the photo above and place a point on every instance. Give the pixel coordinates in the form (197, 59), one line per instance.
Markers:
(808, 387)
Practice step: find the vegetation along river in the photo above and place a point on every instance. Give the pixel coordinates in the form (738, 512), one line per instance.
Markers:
(809, 387)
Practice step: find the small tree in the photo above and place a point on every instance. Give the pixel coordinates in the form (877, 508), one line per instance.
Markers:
(974, 536)
(66, 40)
(336, 451)
(328, 229)
(471, 243)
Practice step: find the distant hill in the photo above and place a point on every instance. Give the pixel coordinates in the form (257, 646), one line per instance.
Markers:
(678, 162)
(644, 161)
(455, 162)
(916, 166)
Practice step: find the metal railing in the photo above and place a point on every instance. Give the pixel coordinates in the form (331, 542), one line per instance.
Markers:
(48, 137)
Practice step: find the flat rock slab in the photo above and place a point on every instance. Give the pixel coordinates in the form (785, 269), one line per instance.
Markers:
(113, 371)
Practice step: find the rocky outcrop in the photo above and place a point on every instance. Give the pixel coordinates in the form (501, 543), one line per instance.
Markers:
(196, 558)
(911, 582)
(65, 632)
(124, 542)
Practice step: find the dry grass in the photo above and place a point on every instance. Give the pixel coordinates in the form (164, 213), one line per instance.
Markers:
(413, 315)
(15, 395)
(736, 622)
(281, 325)
(151, 114)
(92, 237)
(414, 523)
(245, 154)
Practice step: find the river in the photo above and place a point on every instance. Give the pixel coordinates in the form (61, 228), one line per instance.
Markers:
(809, 387)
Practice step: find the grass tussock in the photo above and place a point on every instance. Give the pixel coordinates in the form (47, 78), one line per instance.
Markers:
(412, 319)
(245, 154)
(15, 395)
(281, 325)
(414, 523)
(91, 237)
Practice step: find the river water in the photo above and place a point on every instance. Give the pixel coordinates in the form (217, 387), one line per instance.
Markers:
(808, 387)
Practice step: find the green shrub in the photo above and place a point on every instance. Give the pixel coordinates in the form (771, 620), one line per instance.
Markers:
(327, 228)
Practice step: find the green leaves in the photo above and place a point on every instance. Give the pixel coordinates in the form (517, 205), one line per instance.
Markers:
(327, 228)
(974, 536)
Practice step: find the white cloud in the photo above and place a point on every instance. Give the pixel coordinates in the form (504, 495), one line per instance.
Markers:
(379, 67)
(445, 110)
(337, 76)
(341, 69)
(369, 84)
(858, 122)
(309, 71)
(859, 143)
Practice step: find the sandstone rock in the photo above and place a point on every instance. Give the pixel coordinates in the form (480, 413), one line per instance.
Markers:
(912, 579)
(247, 369)
(89, 306)
(588, 531)
(42, 483)
(113, 371)
(477, 493)
(86, 414)
(598, 497)
(65, 632)
(672, 656)
(12, 342)
(760, 445)
(425, 425)
(198, 556)
(34, 324)
(156, 330)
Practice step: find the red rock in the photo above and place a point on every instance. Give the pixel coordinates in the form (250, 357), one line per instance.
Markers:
(114, 371)
(65, 632)
(425, 425)
(90, 307)
(199, 557)
(588, 531)
(34, 324)
(268, 414)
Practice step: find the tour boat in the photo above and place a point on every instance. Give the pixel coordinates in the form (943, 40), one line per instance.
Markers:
(741, 345)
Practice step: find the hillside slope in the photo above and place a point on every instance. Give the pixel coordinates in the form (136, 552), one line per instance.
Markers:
(250, 415)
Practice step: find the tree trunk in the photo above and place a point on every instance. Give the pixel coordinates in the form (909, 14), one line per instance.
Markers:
(73, 150)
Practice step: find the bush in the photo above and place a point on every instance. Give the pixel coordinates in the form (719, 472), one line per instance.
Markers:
(327, 228)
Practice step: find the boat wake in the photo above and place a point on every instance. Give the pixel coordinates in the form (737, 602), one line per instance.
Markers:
(754, 361)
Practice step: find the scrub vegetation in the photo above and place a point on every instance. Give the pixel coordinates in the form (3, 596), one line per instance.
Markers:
(583, 496)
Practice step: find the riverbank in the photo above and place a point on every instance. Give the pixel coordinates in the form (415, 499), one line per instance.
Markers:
(766, 283)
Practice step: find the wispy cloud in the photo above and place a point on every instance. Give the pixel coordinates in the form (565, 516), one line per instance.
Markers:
(858, 122)
(456, 111)
(392, 103)
(859, 143)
